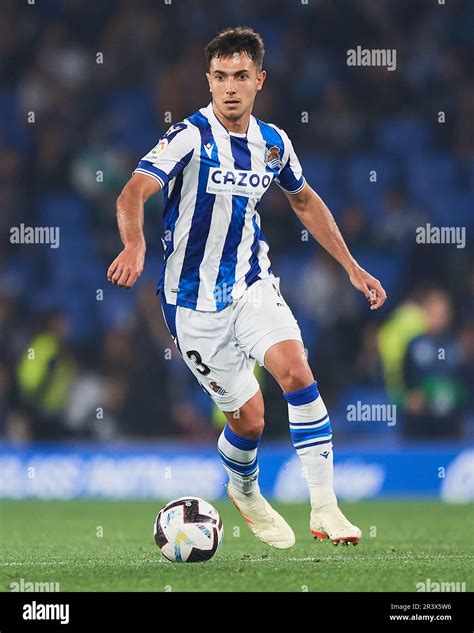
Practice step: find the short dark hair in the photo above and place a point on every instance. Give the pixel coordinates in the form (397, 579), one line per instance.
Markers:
(242, 39)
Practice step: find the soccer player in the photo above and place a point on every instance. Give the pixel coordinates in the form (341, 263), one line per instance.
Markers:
(220, 299)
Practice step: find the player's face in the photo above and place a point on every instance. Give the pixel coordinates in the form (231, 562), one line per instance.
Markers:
(234, 81)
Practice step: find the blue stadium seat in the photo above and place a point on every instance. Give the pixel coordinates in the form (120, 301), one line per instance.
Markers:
(132, 120)
(470, 174)
(454, 209)
(357, 171)
(320, 172)
(13, 128)
(310, 329)
(429, 175)
(403, 135)
(76, 300)
(63, 208)
(18, 274)
(79, 270)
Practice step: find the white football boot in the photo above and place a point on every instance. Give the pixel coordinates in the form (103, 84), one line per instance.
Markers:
(329, 522)
(263, 520)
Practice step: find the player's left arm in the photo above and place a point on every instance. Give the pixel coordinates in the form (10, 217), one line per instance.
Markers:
(320, 222)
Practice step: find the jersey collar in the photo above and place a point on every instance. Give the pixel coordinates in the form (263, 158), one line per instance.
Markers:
(218, 128)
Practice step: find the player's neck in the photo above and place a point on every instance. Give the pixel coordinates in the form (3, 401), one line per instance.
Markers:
(240, 126)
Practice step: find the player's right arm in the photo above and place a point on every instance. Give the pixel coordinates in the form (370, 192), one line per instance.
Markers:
(162, 163)
(128, 265)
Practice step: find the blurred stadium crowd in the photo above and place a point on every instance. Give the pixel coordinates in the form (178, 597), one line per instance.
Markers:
(85, 88)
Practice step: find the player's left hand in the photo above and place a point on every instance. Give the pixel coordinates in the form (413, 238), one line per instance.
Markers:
(369, 286)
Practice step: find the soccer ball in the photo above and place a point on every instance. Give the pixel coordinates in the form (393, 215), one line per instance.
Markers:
(188, 530)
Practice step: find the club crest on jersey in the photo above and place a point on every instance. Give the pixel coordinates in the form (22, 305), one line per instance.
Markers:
(272, 157)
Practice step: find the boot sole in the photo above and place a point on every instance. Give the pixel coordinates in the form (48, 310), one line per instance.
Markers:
(344, 540)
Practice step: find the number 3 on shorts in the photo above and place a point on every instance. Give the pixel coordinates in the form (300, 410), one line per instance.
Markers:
(195, 356)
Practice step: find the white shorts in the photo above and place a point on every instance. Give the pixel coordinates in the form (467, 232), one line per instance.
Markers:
(221, 348)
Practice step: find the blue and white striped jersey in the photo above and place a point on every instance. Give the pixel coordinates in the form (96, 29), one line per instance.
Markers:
(213, 181)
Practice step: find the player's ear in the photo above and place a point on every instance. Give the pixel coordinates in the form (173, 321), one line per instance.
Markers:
(209, 81)
(261, 78)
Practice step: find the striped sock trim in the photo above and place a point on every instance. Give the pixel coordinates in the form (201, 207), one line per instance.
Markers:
(238, 454)
(239, 467)
(239, 442)
(309, 443)
(302, 396)
(310, 424)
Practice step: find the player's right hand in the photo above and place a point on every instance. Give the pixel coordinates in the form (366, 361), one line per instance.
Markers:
(127, 266)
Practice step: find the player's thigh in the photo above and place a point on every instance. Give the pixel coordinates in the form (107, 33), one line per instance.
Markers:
(206, 341)
(264, 318)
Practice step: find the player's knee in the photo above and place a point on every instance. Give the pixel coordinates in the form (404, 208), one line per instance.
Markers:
(255, 428)
(297, 377)
(258, 427)
(250, 428)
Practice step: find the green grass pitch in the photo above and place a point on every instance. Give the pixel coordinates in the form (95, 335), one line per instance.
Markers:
(403, 543)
